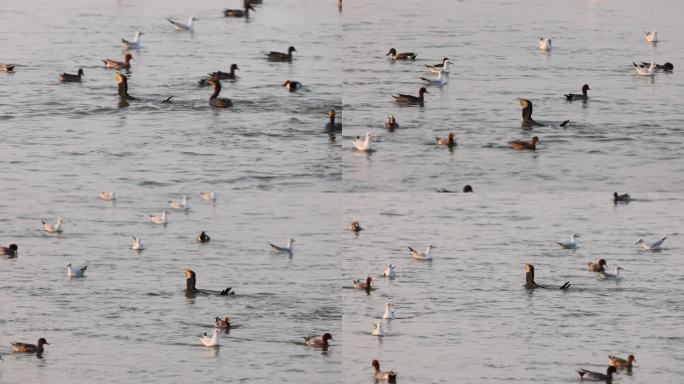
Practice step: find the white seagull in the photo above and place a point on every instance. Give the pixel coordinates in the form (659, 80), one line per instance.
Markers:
(377, 329)
(107, 196)
(442, 79)
(183, 204)
(182, 26)
(362, 145)
(389, 312)
(75, 271)
(50, 228)
(161, 219)
(135, 44)
(208, 196)
(652, 36)
(437, 68)
(137, 244)
(286, 249)
(651, 245)
(211, 341)
(545, 43)
(389, 271)
(427, 255)
(645, 71)
(570, 244)
(611, 276)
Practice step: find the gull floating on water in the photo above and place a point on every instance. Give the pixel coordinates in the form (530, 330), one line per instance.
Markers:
(183, 204)
(50, 228)
(438, 68)
(389, 271)
(212, 341)
(161, 219)
(285, 249)
(389, 312)
(107, 196)
(135, 43)
(611, 276)
(377, 329)
(643, 71)
(208, 196)
(364, 145)
(183, 26)
(570, 244)
(427, 255)
(442, 79)
(545, 43)
(75, 271)
(651, 245)
(137, 244)
(652, 36)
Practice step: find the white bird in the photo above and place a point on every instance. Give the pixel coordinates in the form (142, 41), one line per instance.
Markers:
(651, 245)
(377, 329)
(442, 79)
(545, 43)
(107, 196)
(50, 228)
(645, 71)
(135, 44)
(437, 68)
(183, 204)
(389, 271)
(427, 255)
(182, 26)
(611, 276)
(161, 219)
(75, 271)
(389, 312)
(571, 244)
(362, 145)
(211, 341)
(137, 244)
(208, 196)
(652, 37)
(285, 249)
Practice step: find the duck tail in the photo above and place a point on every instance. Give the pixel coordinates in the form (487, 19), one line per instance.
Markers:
(569, 96)
(411, 249)
(635, 64)
(563, 124)
(566, 285)
(227, 291)
(425, 79)
(663, 239)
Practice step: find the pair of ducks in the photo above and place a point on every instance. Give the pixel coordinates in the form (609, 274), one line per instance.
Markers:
(614, 363)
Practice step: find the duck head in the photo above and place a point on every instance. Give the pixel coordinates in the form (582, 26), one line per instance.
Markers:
(585, 88)
(422, 91)
(128, 57)
(290, 50)
(392, 52)
(602, 262)
(80, 72)
(535, 141)
(42, 342)
(631, 359)
(326, 336)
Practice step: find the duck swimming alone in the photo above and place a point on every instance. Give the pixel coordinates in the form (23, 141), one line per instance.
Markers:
(645, 71)
(161, 219)
(214, 100)
(10, 251)
(526, 107)
(133, 44)
(70, 78)
(545, 44)
(468, 189)
(122, 87)
(362, 145)
(190, 26)
(523, 145)
(442, 79)
(332, 125)
(570, 244)
(190, 288)
(50, 228)
(652, 36)
(597, 376)
(212, 341)
(653, 245)
(401, 56)
(378, 330)
(579, 96)
(203, 238)
(292, 85)
(621, 363)
(448, 141)
(137, 244)
(7, 67)
(621, 198)
(389, 376)
(441, 67)
(318, 343)
(113, 64)
(391, 123)
(360, 284)
(599, 266)
(107, 196)
(427, 255)
(286, 249)
(389, 312)
(222, 324)
(279, 56)
(355, 226)
(31, 348)
(410, 99)
(75, 271)
(531, 284)
(244, 12)
(390, 271)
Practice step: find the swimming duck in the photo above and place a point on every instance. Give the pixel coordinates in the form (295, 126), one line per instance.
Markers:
(523, 145)
(31, 348)
(332, 125)
(75, 271)
(410, 99)
(391, 123)
(611, 276)
(222, 324)
(652, 36)
(441, 67)
(645, 71)
(390, 375)
(221, 75)
(599, 266)
(570, 244)
(389, 312)
(531, 284)
(597, 376)
(279, 56)
(401, 56)
(122, 87)
(7, 67)
(545, 44)
(292, 85)
(70, 78)
(203, 238)
(578, 96)
(135, 43)
(390, 271)
(161, 219)
(621, 198)
(667, 67)
(617, 362)
(10, 251)
(427, 255)
(107, 196)
(653, 245)
(247, 6)
(286, 249)
(526, 107)
(182, 204)
(378, 330)
(126, 64)
(212, 341)
(362, 145)
(467, 189)
(50, 228)
(355, 226)
(442, 79)
(448, 141)
(190, 288)
(214, 100)
(360, 284)
(137, 244)
(318, 343)
(182, 26)
(208, 196)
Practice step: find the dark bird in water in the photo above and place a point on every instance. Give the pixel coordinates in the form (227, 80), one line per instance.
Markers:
(332, 125)
(597, 376)
(279, 56)
(391, 123)
(523, 145)
(122, 83)
(390, 376)
(355, 226)
(221, 75)
(449, 141)
(10, 251)
(223, 323)
(292, 85)
(667, 67)
(216, 101)
(70, 78)
(579, 96)
(360, 284)
(531, 284)
(318, 343)
(599, 266)
(526, 107)
(402, 55)
(203, 238)
(244, 12)
(31, 348)
(410, 99)
(621, 198)
(467, 189)
(126, 64)
(190, 281)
